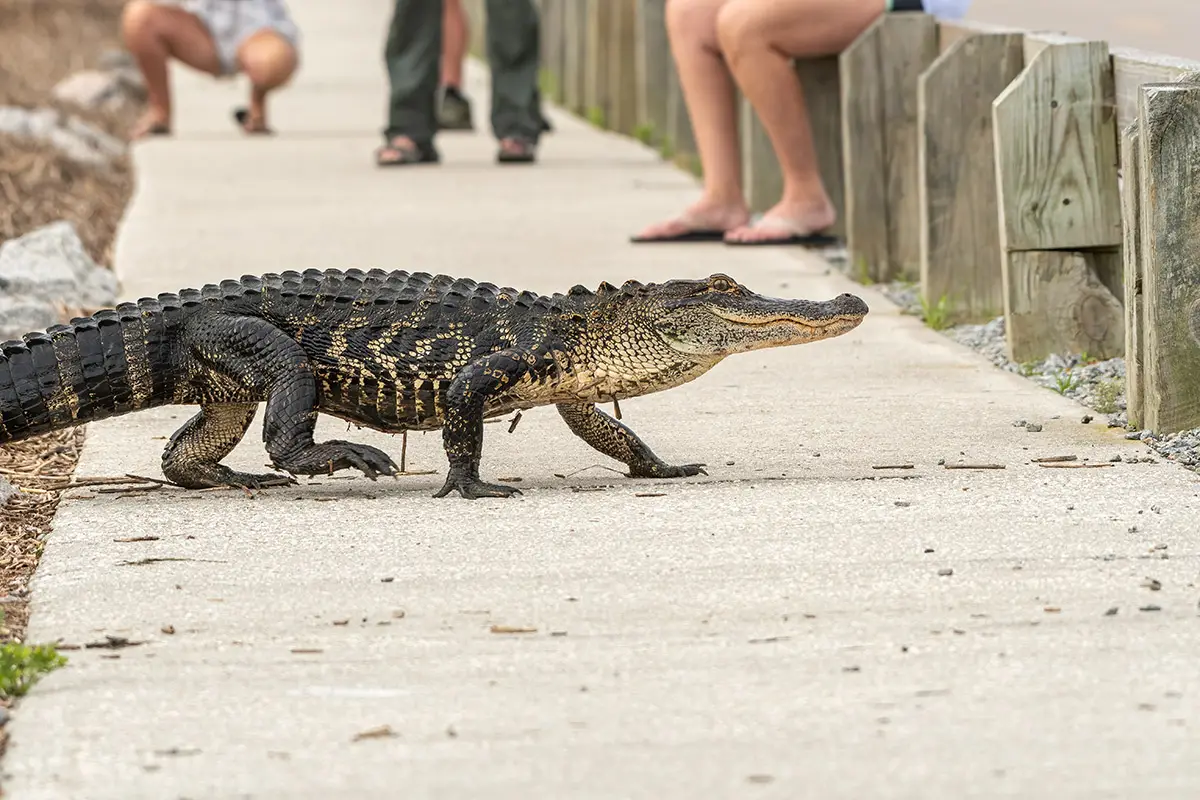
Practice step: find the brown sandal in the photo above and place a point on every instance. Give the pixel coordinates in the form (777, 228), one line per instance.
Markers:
(405, 154)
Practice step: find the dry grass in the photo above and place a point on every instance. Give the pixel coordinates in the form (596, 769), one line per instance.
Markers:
(42, 42)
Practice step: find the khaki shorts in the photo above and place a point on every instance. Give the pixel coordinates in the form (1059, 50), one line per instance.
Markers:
(231, 22)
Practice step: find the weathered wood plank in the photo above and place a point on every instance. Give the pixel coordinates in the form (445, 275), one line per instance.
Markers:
(474, 11)
(864, 155)
(1056, 303)
(907, 46)
(821, 82)
(762, 179)
(550, 26)
(653, 71)
(680, 141)
(1169, 168)
(960, 229)
(575, 55)
(1131, 221)
(599, 54)
(1056, 152)
(951, 32)
(1132, 68)
(622, 66)
(879, 76)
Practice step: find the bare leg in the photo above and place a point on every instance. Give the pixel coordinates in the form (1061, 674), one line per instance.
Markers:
(454, 42)
(153, 33)
(759, 38)
(269, 61)
(708, 92)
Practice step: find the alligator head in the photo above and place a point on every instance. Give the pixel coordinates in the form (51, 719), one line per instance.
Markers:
(717, 317)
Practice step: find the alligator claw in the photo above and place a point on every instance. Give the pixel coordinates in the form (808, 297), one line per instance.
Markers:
(667, 471)
(331, 456)
(474, 488)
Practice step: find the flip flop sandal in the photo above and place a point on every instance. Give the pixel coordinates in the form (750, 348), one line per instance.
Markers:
(420, 154)
(691, 234)
(792, 237)
(524, 152)
(242, 117)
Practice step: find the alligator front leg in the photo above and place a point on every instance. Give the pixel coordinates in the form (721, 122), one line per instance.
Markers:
(617, 441)
(462, 431)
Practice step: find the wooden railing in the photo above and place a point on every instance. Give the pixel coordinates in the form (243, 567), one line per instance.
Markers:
(1051, 180)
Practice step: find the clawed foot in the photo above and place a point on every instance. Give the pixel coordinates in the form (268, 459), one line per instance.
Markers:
(666, 471)
(329, 457)
(219, 476)
(473, 488)
(247, 480)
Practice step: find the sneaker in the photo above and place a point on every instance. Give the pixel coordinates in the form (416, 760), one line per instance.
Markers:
(453, 110)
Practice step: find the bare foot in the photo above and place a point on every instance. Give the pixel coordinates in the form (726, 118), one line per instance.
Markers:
(705, 221)
(785, 222)
(152, 123)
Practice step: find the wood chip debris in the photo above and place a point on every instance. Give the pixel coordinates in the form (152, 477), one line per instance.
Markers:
(974, 466)
(138, 539)
(307, 650)
(111, 643)
(649, 494)
(380, 732)
(892, 466)
(512, 629)
(1054, 459)
(1076, 466)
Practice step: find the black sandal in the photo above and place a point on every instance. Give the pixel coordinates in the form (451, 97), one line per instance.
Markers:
(408, 154)
(242, 117)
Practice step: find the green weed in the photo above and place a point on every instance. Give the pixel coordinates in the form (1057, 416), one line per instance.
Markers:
(1065, 382)
(936, 315)
(21, 666)
(1106, 395)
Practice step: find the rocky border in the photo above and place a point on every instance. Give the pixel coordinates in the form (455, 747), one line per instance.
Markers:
(1098, 386)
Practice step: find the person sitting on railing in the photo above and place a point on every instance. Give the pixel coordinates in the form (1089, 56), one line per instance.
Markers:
(219, 37)
(756, 40)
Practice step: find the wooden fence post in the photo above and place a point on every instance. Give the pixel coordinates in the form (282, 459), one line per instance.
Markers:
(1060, 216)
(622, 66)
(879, 76)
(960, 232)
(1131, 234)
(574, 55)
(550, 26)
(653, 53)
(1169, 174)
(760, 166)
(476, 14)
(680, 141)
(599, 52)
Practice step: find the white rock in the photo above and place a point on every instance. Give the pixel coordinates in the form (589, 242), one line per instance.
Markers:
(23, 314)
(50, 264)
(72, 136)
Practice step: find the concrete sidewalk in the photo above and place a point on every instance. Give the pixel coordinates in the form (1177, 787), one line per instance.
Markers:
(783, 628)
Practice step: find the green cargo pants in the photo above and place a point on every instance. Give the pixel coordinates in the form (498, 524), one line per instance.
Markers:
(413, 57)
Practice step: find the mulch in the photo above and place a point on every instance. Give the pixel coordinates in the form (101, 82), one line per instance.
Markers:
(42, 42)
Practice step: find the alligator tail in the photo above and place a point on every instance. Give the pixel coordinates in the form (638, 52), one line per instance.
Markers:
(111, 363)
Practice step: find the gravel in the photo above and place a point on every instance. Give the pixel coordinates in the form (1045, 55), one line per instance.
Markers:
(1099, 386)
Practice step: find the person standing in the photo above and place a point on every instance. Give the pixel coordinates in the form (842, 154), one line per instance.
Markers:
(413, 55)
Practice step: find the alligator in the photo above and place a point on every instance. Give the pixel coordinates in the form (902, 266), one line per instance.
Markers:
(393, 351)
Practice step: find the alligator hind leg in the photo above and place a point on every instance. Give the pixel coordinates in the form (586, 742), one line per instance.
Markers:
(615, 440)
(192, 457)
(264, 361)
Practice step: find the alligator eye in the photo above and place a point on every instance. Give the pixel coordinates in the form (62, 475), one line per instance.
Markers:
(721, 284)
